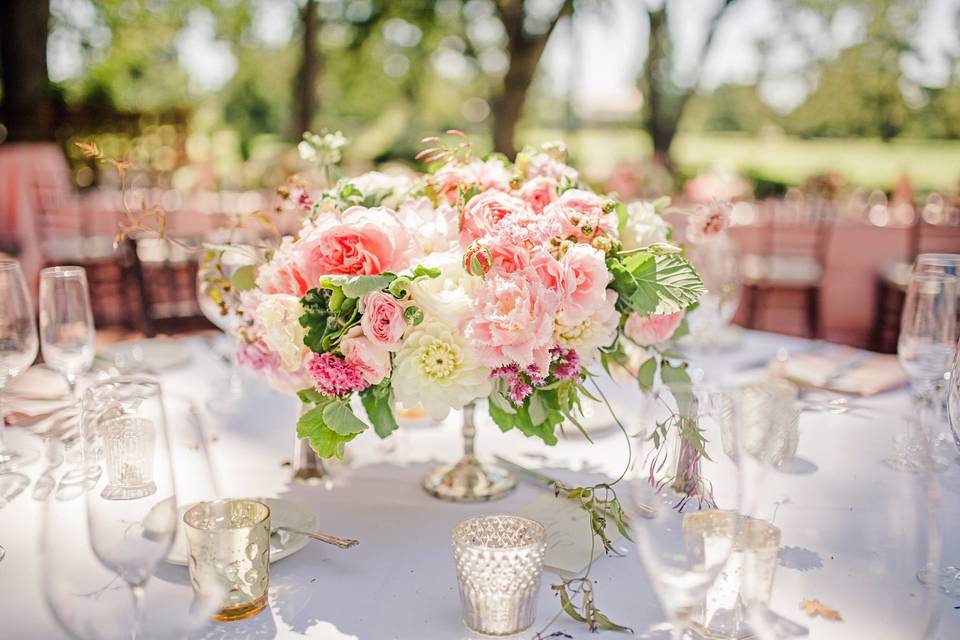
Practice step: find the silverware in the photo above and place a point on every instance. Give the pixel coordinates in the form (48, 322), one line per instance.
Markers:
(844, 368)
(343, 543)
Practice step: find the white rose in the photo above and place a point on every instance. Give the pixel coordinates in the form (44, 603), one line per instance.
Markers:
(279, 317)
(436, 230)
(436, 368)
(644, 226)
(378, 186)
(446, 298)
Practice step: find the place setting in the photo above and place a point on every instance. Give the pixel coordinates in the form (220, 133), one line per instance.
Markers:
(369, 320)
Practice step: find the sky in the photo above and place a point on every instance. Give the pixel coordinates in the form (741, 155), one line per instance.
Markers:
(598, 63)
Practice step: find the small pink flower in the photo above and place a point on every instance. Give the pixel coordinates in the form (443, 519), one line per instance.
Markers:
(539, 192)
(257, 356)
(282, 274)
(585, 283)
(542, 164)
(581, 215)
(566, 363)
(513, 320)
(485, 212)
(382, 320)
(334, 376)
(452, 178)
(652, 329)
(362, 242)
(708, 221)
(370, 358)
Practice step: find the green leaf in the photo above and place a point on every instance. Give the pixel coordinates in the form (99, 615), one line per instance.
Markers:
(502, 402)
(623, 217)
(359, 286)
(569, 608)
(421, 271)
(325, 441)
(537, 409)
(655, 284)
(244, 278)
(646, 373)
(378, 403)
(338, 416)
(311, 396)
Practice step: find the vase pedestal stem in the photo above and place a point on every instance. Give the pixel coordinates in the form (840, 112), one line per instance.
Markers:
(468, 479)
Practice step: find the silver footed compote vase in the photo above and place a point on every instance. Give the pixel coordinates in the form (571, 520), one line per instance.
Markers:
(468, 479)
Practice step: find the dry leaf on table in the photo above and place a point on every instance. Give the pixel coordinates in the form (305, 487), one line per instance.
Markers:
(814, 608)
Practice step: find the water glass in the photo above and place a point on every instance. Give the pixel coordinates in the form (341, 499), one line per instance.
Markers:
(67, 337)
(499, 563)
(928, 329)
(229, 543)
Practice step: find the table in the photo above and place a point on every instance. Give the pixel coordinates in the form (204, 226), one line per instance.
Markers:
(400, 583)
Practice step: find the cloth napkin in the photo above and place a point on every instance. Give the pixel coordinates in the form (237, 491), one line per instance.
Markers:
(844, 370)
(37, 392)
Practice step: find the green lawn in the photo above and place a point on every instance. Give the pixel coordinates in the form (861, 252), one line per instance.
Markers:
(931, 164)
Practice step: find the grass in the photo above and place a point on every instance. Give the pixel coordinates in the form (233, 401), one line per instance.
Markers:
(870, 163)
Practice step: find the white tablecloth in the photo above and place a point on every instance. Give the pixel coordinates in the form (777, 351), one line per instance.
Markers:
(400, 584)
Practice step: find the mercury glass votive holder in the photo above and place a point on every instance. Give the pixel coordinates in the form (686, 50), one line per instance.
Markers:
(229, 543)
(499, 562)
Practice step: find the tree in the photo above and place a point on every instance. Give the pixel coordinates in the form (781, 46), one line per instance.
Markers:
(309, 71)
(524, 50)
(27, 109)
(665, 98)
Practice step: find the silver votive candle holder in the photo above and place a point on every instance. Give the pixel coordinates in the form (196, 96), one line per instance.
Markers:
(229, 548)
(499, 562)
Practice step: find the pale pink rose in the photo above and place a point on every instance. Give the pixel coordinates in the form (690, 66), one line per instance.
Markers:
(550, 270)
(362, 242)
(506, 256)
(581, 215)
(491, 174)
(452, 178)
(370, 358)
(652, 329)
(542, 164)
(708, 221)
(282, 274)
(512, 320)
(585, 282)
(382, 320)
(433, 230)
(485, 212)
(539, 192)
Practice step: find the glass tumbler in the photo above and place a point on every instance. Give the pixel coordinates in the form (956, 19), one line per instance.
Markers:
(499, 563)
(229, 542)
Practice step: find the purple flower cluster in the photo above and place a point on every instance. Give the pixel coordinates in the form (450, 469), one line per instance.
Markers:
(565, 365)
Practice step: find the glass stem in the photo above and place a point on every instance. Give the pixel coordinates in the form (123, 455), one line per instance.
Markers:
(469, 430)
(4, 455)
(137, 592)
(234, 380)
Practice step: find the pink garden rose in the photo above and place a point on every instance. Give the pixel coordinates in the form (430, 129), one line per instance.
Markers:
(653, 329)
(585, 282)
(370, 358)
(282, 274)
(582, 216)
(512, 320)
(485, 212)
(362, 242)
(539, 192)
(550, 271)
(382, 320)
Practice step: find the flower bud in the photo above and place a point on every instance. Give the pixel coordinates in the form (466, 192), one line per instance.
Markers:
(413, 315)
(477, 260)
(400, 287)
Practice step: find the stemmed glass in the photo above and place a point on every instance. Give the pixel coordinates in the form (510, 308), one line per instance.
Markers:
(67, 337)
(717, 260)
(219, 300)
(18, 349)
(683, 537)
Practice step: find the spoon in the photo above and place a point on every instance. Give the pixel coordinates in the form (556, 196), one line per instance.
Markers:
(343, 543)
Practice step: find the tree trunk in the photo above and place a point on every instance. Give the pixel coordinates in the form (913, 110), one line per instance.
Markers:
(661, 123)
(27, 110)
(306, 81)
(525, 51)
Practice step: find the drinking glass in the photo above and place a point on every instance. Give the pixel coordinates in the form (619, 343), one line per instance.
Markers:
(683, 500)
(718, 262)
(132, 508)
(219, 302)
(928, 330)
(229, 543)
(18, 349)
(67, 337)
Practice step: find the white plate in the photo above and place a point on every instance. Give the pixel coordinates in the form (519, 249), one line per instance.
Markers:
(155, 355)
(282, 513)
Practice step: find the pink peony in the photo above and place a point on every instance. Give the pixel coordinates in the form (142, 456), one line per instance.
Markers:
(708, 221)
(451, 178)
(382, 320)
(362, 242)
(585, 282)
(539, 192)
(549, 270)
(485, 212)
(334, 376)
(369, 357)
(282, 274)
(581, 215)
(653, 329)
(513, 320)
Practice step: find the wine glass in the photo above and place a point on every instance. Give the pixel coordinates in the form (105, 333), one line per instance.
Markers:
(219, 301)
(852, 536)
(132, 510)
(96, 550)
(685, 503)
(18, 349)
(928, 329)
(718, 262)
(67, 337)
